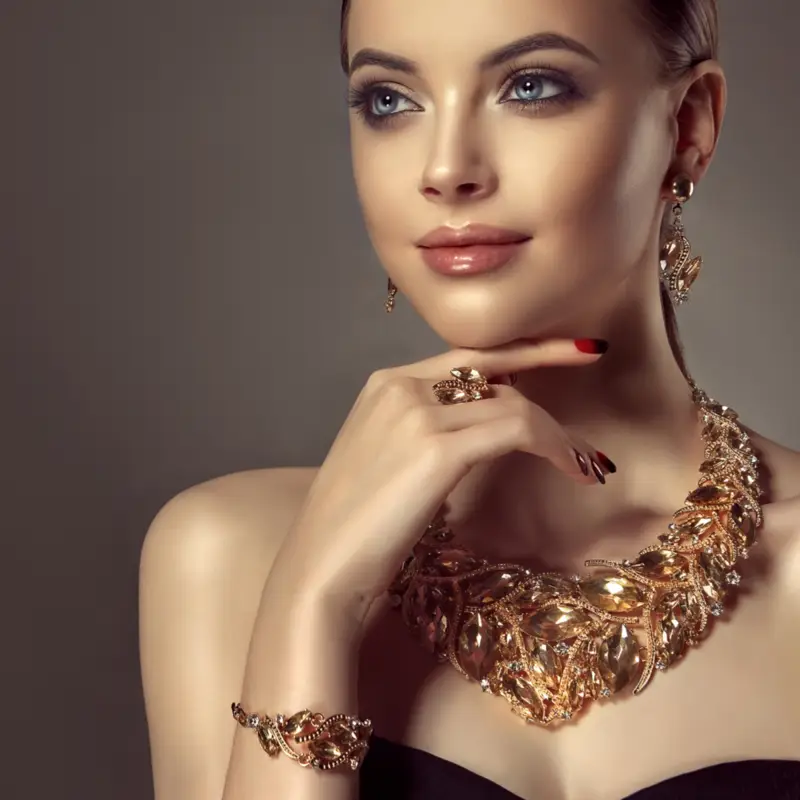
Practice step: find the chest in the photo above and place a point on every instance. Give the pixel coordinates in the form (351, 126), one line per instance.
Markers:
(732, 698)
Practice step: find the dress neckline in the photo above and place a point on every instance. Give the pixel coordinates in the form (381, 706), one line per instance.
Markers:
(386, 747)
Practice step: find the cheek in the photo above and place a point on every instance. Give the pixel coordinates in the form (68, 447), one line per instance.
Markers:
(386, 171)
(593, 181)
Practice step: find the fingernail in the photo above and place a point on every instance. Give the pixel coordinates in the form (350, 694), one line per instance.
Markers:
(593, 346)
(606, 462)
(598, 473)
(582, 463)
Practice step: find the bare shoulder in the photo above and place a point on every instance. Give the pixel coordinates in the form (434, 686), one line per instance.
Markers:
(204, 562)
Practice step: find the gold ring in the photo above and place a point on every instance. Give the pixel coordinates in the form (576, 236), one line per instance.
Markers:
(466, 386)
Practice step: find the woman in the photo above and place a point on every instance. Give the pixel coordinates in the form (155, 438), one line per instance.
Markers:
(514, 162)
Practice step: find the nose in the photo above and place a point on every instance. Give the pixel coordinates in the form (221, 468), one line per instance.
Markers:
(459, 167)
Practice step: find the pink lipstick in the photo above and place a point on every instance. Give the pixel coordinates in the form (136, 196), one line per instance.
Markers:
(471, 250)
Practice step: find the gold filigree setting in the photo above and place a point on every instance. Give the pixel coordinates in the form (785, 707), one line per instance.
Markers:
(549, 643)
(309, 738)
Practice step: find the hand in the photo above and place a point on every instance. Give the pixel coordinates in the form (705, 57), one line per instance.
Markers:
(400, 453)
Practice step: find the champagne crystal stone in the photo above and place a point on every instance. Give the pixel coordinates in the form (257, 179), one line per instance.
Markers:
(548, 587)
(343, 734)
(661, 564)
(267, 740)
(325, 749)
(546, 665)
(556, 623)
(297, 723)
(466, 374)
(744, 524)
(673, 251)
(618, 658)
(477, 651)
(523, 692)
(689, 274)
(708, 495)
(491, 587)
(613, 593)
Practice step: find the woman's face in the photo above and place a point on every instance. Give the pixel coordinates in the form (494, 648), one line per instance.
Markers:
(543, 117)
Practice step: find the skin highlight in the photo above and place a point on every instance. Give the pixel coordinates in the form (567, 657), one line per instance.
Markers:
(565, 123)
(441, 135)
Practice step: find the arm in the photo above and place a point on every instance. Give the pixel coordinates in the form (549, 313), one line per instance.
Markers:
(204, 564)
(301, 656)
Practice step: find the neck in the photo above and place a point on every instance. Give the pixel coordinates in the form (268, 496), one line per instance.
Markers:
(635, 406)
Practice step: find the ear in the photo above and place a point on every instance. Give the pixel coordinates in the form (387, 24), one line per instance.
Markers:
(699, 105)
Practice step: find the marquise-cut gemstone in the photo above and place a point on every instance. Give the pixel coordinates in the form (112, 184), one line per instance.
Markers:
(672, 634)
(556, 623)
(613, 593)
(672, 252)
(453, 395)
(466, 374)
(689, 274)
(297, 723)
(343, 734)
(661, 564)
(325, 748)
(477, 650)
(576, 693)
(549, 587)
(713, 466)
(713, 568)
(618, 658)
(424, 610)
(707, 495)
(695, 527)
(546, 664)
(451, 561)
(745, 525)
(267, 739)
(524, 692)
(491, 587)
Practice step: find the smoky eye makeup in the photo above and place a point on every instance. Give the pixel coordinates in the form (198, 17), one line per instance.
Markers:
(525, 89)
(379, 103)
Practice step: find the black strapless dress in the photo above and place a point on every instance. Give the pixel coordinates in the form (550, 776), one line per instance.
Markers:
(395, 772)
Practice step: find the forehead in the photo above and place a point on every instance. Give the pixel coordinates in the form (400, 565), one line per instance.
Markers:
(435, 32)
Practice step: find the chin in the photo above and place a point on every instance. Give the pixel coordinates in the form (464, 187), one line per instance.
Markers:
(480, 333)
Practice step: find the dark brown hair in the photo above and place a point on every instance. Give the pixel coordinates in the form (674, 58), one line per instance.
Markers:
(684, 33)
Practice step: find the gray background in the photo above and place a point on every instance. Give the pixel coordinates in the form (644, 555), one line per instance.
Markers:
(180, 243)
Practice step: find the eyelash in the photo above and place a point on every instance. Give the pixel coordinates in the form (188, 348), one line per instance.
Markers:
(360, 98)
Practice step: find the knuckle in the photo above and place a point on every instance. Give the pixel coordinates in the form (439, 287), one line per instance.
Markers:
(434, 452)
(398, 388)
(420, 419)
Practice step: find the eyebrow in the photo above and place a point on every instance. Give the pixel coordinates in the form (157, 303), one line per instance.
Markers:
(520, 47)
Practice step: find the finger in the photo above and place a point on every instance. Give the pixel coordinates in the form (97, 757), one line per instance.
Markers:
(514, 357)
(520, 425)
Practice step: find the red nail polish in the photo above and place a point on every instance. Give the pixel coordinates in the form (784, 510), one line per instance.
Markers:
(598, 472)
(593, 346)
(606, 462)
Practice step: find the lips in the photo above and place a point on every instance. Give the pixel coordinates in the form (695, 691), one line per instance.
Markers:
(471, 235)
(470, 250)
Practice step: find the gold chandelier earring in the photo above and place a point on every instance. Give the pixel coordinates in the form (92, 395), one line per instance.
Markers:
(389, 304)
(678, 270)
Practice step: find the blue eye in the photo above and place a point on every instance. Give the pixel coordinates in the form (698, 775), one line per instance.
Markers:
(384, 102)
(534, 89)
(379, 104)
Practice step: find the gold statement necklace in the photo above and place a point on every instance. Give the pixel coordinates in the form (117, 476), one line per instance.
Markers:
(549, 643)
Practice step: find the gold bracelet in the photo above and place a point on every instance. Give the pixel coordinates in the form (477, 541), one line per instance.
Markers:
(337, 741)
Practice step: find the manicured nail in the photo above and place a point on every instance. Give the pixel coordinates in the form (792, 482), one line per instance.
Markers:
(593, 346)
(606, 462)
(598, 473)
(582, 463)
